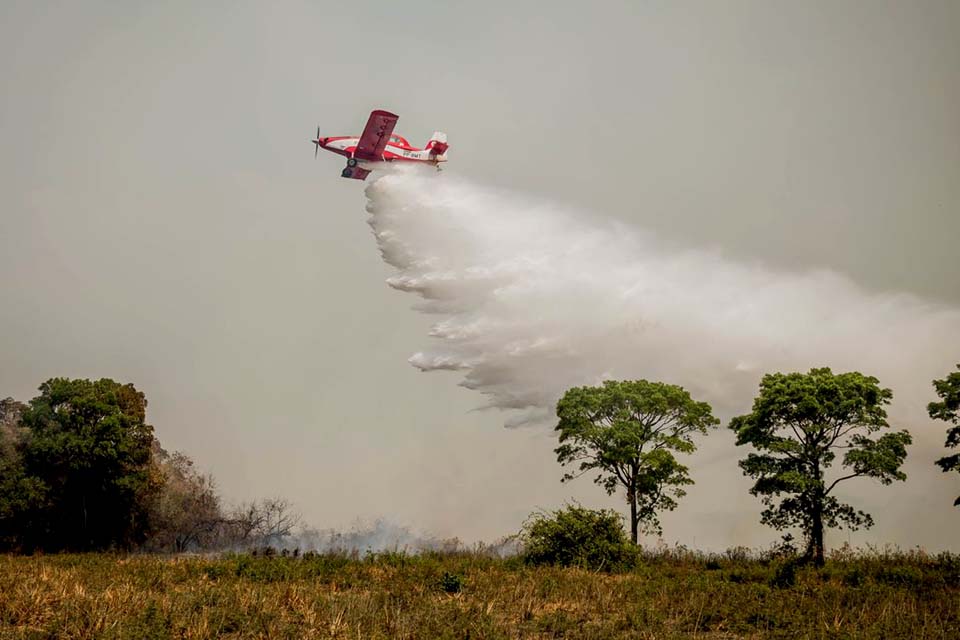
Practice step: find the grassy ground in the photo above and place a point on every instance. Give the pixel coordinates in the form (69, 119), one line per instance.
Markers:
(436, 596)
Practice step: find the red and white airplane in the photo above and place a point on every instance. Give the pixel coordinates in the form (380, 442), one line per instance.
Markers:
(378, 144)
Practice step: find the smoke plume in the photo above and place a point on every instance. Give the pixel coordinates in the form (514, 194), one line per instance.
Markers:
(531, 299)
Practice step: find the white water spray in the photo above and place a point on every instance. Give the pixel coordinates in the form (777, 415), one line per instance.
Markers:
(531, 299)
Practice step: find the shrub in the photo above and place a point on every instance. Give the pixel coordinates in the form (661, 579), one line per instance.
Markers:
(580, 537)
(786, 574)
(738, 554)
(948, 565)
(854, 577)
(903, 576)
(451, 583)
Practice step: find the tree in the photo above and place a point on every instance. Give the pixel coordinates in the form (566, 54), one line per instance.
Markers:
(243, 524)
(186, 510)
(948, 410)
(798, 423)
(87, 458)
(11, 412)
(262, 523)
(278, 520)
(17, 492)
(627, 432)
(11, 430)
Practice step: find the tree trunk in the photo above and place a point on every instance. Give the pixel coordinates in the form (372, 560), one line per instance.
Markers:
(86, 537)
(634, 520)
(815, 550)
(816, 535)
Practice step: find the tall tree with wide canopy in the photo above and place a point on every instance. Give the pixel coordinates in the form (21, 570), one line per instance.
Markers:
(948, 410)
(88, 457)
(627, 432)
(798, 424)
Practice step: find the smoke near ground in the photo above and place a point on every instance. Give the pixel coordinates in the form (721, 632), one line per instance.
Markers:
(531, 299)
(382, 535)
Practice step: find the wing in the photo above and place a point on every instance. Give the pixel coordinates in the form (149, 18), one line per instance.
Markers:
(375, 135)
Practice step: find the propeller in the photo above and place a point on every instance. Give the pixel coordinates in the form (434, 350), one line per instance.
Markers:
(317, 143)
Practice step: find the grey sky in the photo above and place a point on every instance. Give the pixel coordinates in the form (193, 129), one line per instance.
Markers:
(164, 222)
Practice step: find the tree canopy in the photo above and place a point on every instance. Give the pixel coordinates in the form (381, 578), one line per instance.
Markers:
(948, 410)
(83, 470)
(186, 511)
(798, 424)
(80, 469)
(627, 432)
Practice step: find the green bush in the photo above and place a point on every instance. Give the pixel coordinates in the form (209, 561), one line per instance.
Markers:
(902, 576)
(854, 577)
(451, 582)
(948, 566)
(786, 574)
(578, 537)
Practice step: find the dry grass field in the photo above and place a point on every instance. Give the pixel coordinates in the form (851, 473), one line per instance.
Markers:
(469, 595)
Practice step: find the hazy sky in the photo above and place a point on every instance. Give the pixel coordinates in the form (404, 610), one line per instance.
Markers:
(164, 222)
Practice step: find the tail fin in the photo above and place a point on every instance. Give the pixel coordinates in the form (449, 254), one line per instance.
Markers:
(437, 145)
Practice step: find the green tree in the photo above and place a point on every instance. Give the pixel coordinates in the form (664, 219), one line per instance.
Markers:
(798, 423)
(87, 458)
(628, 432)
(948, 410)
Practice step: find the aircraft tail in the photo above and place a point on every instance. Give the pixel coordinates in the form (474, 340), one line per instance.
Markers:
(437, 145)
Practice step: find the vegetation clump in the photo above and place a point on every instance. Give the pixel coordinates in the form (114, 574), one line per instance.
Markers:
(80, 470)
(451, 582)
(77, 473)
(578, 537)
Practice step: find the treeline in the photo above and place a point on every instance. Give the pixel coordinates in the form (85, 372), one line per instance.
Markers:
(81, 470)
(626, 434)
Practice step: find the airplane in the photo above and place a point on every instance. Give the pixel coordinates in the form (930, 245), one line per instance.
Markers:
(379, 144)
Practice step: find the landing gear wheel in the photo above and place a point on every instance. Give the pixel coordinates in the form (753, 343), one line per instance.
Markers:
(352, 162)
